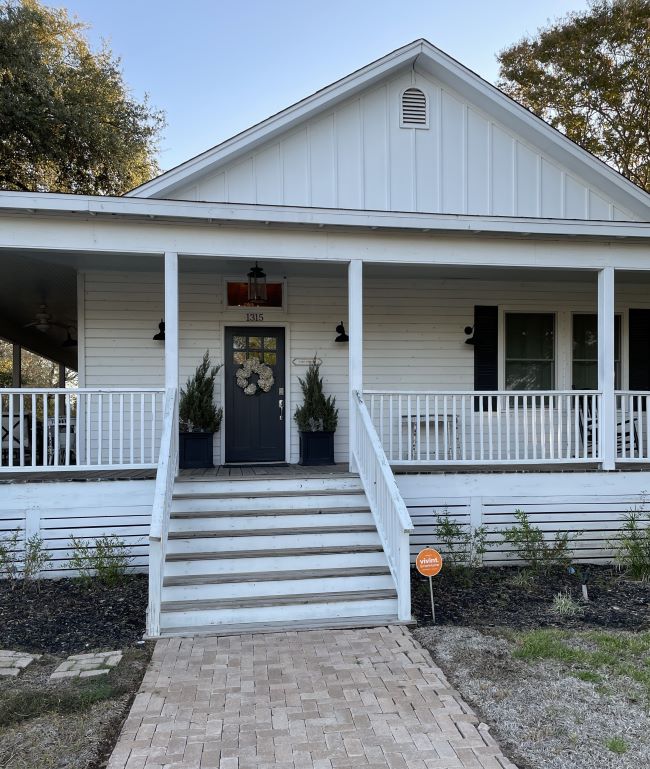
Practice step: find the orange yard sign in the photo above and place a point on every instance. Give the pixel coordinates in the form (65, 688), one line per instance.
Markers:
(428, 562)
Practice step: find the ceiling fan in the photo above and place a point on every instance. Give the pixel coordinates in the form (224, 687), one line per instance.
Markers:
(44, 320)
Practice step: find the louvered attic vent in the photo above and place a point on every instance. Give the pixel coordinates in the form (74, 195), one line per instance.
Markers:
(414, 109)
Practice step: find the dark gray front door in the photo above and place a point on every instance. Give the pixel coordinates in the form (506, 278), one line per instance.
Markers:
(255, 427)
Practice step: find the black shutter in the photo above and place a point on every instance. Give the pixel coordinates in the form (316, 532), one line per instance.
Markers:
(486, 350)
(639, 336)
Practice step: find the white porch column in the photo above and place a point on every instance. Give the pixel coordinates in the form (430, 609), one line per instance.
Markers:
(607, 427)
(171, 319)
(355, 350)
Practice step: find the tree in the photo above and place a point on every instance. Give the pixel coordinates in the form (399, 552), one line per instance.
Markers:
(196, 410)
(67, 121)
(588, 75)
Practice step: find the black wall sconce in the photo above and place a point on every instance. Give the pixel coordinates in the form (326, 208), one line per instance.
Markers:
(160, 336)
(469, 331)
(342, 336)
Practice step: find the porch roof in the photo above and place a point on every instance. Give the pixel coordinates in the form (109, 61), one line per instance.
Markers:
(247, 214)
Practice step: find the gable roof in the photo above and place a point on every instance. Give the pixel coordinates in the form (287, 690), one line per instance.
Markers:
(424, 57)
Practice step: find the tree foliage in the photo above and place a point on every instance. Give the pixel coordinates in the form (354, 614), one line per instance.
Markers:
(588, 75)
(67, 121)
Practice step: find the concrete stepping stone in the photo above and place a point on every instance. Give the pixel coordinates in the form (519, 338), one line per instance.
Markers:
(87, 665)
(11, 663)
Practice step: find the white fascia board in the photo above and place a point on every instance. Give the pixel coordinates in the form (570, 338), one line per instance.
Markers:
(532, 128)
(280, 123)
(48, 204)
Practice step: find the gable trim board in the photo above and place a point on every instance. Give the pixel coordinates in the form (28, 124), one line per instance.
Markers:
(417, 57)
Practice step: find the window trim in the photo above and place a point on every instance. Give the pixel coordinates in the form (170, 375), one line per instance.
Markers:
(505, 311)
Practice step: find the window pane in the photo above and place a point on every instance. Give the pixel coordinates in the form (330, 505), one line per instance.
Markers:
(530, 375)
(585, 375)
(530, 351)
(585, 337)
(585, 352)
(530, 336)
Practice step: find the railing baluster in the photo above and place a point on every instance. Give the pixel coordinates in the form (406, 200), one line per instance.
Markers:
(390, 424)
(427, 427)
(121, 428)
(142, 428)
(524, 408)
(10, 431)
(153, 427)
(67, 429)
(100, 428)
(34, 440)
(418, 427)
(490, 428)
(89, 419)
(110, 428)
(21, 430)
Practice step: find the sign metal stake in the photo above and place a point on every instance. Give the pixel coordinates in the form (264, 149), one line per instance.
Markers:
(433, 608)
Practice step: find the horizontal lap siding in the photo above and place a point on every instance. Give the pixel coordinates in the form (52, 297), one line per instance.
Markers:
(591, 505)
(56, 511)
(413, 329)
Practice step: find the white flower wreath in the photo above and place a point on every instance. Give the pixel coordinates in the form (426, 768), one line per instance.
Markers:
(264, 373)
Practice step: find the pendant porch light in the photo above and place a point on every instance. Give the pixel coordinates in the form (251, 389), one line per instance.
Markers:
(257, 285)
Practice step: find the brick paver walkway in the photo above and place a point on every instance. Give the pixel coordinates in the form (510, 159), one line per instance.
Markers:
(304, 700)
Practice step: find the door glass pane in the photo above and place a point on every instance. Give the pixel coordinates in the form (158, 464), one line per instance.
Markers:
(270, 358)
(255, 342)
(270, 342)
(238, 357)
(239, 342)
(530, 351)
(254, 356)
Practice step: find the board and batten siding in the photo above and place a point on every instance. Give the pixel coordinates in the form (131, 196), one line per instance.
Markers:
(56, 511)
(357, 156)
(413, 330)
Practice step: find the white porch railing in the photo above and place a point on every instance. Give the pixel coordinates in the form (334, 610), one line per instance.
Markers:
(84, 428)
(474, 428)
(633, 426)
(388, 509)
(162, 500)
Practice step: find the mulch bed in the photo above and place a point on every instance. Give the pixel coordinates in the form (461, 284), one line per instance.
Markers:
(490, 598)
(67, 617)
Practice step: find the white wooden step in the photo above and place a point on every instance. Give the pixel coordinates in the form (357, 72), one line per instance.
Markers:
(271, 562)
(214, 618)
(269, 513)
(268, 504)
(292, 486)
(315, 586)
(270, 542)
(275, 575)
(282, 626)
(273, 522)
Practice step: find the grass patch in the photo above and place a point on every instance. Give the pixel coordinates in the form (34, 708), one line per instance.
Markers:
(587, 675)
(617, 745)
(616, 654)
(19, 706)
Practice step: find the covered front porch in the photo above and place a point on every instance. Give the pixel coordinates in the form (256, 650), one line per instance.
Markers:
(460, 368)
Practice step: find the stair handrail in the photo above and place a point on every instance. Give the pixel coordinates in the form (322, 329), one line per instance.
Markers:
(160, 513)
(389, 511)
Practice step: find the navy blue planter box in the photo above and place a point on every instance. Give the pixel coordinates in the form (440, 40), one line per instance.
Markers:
(195, 450)
(316, 448)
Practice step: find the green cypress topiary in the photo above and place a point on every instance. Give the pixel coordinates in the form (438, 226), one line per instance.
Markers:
(317, 413)
(196, 409)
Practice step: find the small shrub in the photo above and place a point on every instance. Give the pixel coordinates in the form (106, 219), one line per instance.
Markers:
(112, 559)
(617, 745)
(35, 560)
(565, 606)
(109, 560)
(10, 558)
(81, 559)
(633, 547)
(462, 547)
(530, 545)
(523, 579)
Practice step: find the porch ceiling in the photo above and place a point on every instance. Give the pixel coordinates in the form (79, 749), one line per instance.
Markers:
(27, 283)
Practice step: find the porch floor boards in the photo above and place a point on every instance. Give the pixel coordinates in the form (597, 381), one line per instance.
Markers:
(276, 472)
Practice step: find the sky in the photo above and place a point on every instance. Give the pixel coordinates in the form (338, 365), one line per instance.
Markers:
(217, 67)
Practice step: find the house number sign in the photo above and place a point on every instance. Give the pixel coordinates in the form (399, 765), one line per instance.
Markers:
(254, 317)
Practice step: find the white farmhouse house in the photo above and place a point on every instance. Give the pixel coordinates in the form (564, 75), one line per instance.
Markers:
(492, 277)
